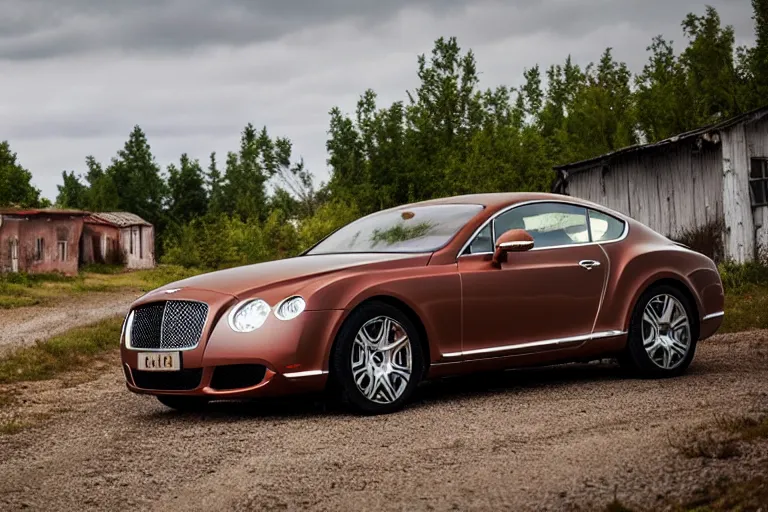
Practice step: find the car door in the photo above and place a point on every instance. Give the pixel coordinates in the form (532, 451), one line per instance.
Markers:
(544, 298)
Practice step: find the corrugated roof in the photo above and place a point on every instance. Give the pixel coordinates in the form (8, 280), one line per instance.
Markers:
(40, 211)
(121, 219)
(753, 115)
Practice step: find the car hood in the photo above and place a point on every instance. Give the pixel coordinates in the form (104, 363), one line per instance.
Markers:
(249, 278)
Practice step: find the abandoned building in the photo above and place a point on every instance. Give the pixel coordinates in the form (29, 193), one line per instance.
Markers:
(714, 177)
(35, 241)
(51, 240)
(118, 237)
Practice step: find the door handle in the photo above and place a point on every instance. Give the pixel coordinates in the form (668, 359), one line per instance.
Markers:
(588, 264)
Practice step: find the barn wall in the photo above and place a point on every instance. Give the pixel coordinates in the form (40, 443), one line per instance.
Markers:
(100, 243)
(51, 229)
(9, 230)
(757, 147)
(138, 245)
(669, 190)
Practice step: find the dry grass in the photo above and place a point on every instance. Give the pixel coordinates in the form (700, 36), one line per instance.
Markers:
(71, 350)
(21, 290)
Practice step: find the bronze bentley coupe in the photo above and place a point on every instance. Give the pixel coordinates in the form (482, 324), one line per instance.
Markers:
(430, 289)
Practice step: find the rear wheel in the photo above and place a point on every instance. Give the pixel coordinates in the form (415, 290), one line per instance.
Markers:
(183, 403)
(662, 334)
(378, 361)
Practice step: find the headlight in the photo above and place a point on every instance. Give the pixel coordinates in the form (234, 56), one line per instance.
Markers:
(290, 308)
(127, 328)
(249, 316)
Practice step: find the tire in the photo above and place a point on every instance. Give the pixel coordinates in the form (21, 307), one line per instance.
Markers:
(183, 403)
(370, 380)
(662, 345)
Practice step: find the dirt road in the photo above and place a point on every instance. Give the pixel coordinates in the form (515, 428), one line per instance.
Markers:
(546, 439)
(24, 326)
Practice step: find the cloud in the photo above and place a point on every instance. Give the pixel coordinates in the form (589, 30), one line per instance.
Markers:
(78, 74)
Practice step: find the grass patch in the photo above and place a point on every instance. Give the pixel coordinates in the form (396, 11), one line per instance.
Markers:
(729, 495)
(11, 426)
(62, 353)
(21, 290)
(746, 309)
(720, 440)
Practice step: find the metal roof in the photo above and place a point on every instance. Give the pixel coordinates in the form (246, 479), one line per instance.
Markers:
(120, 219)
(751, 116)
(40, 211)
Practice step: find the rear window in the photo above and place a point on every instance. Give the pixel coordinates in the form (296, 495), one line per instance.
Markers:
(417, 229)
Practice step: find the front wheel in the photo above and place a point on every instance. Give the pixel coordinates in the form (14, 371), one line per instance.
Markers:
(662, 334)
(378, 361)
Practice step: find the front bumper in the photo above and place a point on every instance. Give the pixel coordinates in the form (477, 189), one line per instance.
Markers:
(285, 357)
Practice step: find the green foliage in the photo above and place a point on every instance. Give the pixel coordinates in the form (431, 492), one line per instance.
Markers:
(15, 182)
(187, 194)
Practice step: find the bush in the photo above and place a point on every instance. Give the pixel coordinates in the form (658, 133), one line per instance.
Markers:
(707, 239)
(218, 241)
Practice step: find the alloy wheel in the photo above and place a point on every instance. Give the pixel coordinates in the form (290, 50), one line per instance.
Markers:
(382, 360)
(666, 331)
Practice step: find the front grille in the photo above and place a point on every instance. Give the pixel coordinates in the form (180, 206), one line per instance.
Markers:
(173, 324)
(182, 380)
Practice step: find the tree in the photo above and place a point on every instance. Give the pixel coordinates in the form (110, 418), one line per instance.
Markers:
(102, 194)
(247, 174)
(753, 62)
(663, 98)
(709, 61)
(72, 193)
(16, 188)
(136, 175)
(186, 187)
(215, 185)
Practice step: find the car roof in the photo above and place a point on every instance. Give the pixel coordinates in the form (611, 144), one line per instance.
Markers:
(497, 200)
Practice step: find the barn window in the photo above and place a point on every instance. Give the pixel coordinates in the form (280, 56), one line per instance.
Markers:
(758, 182)
(39, 249)
(61, 250)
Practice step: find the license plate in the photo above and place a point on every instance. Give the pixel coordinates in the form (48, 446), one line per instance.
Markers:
(159, 361)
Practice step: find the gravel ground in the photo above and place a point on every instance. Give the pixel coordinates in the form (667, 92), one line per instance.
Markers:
(564, 438)
(24, 326)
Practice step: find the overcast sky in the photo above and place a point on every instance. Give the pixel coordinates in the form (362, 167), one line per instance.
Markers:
(76, 75)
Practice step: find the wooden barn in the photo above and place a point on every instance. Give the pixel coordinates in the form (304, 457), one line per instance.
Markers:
(714, 177)
(118, 237)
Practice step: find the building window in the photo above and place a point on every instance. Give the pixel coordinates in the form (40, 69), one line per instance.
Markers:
(39, 249)
(61, 252)
(130, 242)
(758, 182)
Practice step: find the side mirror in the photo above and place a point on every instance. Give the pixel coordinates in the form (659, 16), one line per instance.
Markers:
(514, 240)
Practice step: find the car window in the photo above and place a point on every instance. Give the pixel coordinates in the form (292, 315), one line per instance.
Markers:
(604, 227)
(482, 242)
(408, 230)
(550, 224)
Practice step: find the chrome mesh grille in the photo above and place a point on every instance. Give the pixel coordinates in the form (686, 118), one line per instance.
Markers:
(173, 324)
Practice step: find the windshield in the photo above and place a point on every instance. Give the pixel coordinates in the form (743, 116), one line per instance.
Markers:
(417, 229)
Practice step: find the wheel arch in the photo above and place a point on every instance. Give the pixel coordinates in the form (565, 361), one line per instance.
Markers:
(680, 285)
(407, 310)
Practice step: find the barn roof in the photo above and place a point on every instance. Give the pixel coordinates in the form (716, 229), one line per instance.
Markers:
(40, 211)
(705, 131)
(120, 219)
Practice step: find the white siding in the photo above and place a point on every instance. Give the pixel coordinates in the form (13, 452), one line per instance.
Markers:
(757, 147)
(669, 189)
(138, 245)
